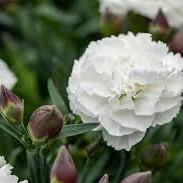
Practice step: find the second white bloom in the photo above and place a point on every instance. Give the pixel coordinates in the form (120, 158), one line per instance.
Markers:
(5, 173)
(149, 8)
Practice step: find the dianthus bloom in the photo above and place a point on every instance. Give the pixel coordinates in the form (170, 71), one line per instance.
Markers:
(126, 84)
(5, 173)
(149, 8)
(7, 77)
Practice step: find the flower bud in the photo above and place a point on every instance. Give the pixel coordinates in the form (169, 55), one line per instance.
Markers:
(45, 123)
(111, 24)
(140, 177)
(176, 43)
(5, 2)
(154, 157)
(104, 179)
(63, 170)
(12, 108)
(160, 24)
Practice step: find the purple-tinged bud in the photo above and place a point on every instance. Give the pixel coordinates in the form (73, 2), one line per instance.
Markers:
(140, 177)
(111, 24)
(160, 24)
(63, 170)
(154, 157)
(12, 108)
(176, 43)
(5, 2)
(104, 179)
(45, 123)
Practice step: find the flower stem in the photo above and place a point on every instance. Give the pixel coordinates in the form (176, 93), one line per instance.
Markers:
(124, 160)
(37, 167)
(33, 166)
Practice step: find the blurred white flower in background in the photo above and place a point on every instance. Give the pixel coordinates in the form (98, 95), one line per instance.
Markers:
(172, 9)
(5, 173)
(126, 84)
(116, 7)
(7, 77)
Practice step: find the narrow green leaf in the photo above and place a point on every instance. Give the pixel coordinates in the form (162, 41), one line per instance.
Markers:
(120, 170)
(56, 98)
(11, 131)
(76, 129)
(96, 169)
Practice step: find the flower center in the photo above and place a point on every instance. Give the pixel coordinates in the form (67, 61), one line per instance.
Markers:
(133, 90)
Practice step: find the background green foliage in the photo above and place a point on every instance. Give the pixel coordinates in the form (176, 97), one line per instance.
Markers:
(41, 39)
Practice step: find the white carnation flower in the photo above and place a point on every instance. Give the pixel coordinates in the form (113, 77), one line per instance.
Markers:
(172, 9)
(5, 173)
(7, 77)
(126, 84)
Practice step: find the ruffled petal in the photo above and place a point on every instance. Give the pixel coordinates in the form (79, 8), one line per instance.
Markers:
(145, 103)
(123, 102)
(174, 85)
(165, 104)
(128, 119)
(167, 116)
(123, 142)
(112, 127)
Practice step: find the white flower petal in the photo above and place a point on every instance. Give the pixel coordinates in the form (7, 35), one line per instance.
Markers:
(165, 104)
(174, 85)
(126, 87)
(5, 173)
(92, 103)
(149, 8)
(173, 62)
(7, 77)
(2, 161)
(112, 127)
(87, 119)
(123, 142)
(167, 116)
(99, 83)
(128, 119)
(145, 103)
(117, 103)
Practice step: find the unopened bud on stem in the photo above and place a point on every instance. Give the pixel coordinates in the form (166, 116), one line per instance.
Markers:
(176, 43)
(160, 24)
(45, 123)
(63, 170)
(12, 108)
(140, 177)
(154, 157)
(104, 179)
(111, 24)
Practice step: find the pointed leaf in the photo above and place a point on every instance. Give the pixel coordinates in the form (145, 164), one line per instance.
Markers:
(76, 129)
(56, 98)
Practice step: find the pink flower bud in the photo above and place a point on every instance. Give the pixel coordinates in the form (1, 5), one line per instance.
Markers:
(45, 123)
(111, 24)
(104, 179)
(140, 177)
(63, 170)
(160, 24)
(12, 108)
(154, 157)
(176, 43)
(5, 2)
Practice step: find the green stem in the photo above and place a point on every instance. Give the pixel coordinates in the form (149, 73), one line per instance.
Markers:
(32, 166)
(24, 129)
(85, 171)
(37, 167)
(126, 163)
(123, 165)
